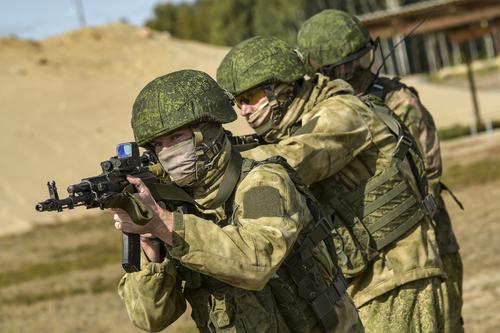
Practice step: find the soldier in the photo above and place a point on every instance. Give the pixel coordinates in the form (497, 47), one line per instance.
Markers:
(339, 46)
(251, 256)
(360, 163)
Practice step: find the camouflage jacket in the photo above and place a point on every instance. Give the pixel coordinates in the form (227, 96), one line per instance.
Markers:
(342, 141)
(405, 103)
(229, 267)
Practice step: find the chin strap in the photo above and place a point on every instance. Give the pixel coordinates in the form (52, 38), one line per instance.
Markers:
(278, 106)
(206, 152)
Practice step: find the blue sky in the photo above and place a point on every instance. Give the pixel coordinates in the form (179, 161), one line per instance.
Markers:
(37, 19)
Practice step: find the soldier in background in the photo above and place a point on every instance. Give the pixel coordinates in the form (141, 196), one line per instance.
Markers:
(360, 163)
(251, 256)
(337, 45)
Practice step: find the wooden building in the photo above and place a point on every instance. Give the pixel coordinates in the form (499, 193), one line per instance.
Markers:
(449, 32)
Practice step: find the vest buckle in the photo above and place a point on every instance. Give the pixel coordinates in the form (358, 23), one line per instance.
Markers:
(430, 205)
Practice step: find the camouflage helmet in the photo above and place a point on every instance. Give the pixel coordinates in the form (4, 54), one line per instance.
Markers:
(333, 37)
(259, 60)
(177, 100)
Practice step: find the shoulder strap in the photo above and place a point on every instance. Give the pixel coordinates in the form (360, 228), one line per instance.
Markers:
(415, 159)
(405, 146)
(382, 86)
(244, 142)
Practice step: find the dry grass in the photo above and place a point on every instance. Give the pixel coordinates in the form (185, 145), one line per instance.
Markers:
(63, 278)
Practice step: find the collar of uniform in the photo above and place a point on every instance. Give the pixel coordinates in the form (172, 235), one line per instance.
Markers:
(205, 190)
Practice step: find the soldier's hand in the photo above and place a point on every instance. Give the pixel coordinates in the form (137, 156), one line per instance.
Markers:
(159, 226)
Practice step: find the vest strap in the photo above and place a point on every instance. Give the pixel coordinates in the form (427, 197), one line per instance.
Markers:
(447, 189)
(324, 304)
(400, 230)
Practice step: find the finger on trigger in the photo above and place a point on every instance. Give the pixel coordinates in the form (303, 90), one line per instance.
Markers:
(133, 180)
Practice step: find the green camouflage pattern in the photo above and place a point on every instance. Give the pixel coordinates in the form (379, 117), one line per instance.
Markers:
(407, 106)
(330, 36)
(244, 255)
(177, 100)
(256, 61)
(405, 102)
(416, 307)
(342, 141)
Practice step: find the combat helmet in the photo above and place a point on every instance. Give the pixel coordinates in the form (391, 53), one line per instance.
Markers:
(177, 100)
(257, 61)
(332, 38)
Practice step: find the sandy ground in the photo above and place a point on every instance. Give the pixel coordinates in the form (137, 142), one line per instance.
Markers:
(65, 103)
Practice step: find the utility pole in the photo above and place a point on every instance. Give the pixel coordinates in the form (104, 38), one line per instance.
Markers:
(78, 7)
(463, 37)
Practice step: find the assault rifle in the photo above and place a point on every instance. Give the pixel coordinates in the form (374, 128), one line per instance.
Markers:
(94, 192)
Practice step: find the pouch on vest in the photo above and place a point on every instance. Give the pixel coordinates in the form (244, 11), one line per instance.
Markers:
(386, 206)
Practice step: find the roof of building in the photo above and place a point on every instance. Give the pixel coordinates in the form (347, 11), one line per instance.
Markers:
(438, 14)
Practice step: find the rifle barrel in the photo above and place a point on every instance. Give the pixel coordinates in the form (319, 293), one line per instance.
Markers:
(69, 203)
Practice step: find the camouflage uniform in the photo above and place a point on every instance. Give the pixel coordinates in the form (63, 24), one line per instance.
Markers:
(336, 143)
(404, 101)
(351, 41)
(226, 259)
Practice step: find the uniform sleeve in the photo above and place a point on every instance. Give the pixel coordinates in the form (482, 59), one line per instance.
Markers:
(420, 123)
(330, 137)
(152, 296)
(269, 214)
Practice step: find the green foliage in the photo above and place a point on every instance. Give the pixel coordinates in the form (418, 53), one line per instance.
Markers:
(52, 252)
(231, 21)
(465, 175)
(228, 22)
(279, 18)
(457, 131)
(85, 258)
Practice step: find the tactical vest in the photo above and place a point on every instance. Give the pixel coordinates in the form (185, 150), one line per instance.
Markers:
(386, 206)
(381, 88)
(303, 295)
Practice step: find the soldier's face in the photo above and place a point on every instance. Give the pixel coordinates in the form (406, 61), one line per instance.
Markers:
(171, 139)
(176, 153)
(254, 106)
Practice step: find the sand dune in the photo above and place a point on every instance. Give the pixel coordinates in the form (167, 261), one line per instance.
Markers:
(65, 103)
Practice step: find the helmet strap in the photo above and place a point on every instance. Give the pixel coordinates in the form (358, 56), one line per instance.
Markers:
(206, 152)
(278, 106)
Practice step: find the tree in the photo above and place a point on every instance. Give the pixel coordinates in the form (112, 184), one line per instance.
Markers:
(164, 18)
(232, 21)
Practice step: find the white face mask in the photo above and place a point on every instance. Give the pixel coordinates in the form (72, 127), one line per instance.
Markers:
(179, 161)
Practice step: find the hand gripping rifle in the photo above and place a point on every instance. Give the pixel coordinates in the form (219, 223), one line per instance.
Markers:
(97, 191)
